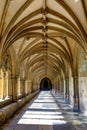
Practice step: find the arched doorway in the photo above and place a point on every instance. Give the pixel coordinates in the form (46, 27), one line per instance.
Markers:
(46, 84)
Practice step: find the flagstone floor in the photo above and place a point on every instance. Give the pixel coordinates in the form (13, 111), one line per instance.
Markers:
(47, 111)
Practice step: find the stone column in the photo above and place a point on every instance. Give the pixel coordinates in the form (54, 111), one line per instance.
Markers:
(10, 86)
(58, 86)
(34, 87)
(64, 89)
(7, 85)
(26, 88)
(76, 106)
(23, 87)
(62, 86)
(67, 90)
(30, 87)
(14, 87)
(19, 89)
(37, 86)
(2, 84)
(55, 88)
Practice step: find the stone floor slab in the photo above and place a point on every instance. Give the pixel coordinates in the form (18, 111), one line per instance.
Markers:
(45, 112)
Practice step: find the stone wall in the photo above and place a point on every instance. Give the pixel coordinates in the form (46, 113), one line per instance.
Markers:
(8, 110)
(83, 93)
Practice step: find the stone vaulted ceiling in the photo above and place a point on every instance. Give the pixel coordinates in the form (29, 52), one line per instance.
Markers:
(43, 33)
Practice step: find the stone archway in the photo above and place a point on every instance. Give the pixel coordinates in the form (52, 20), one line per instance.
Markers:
(46, 84)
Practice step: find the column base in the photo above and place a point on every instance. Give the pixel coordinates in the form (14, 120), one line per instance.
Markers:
(75, 108)
(7, 97)
(26, 94)
(85, 113)
(19, 96)
(1, 99)
(67, 101)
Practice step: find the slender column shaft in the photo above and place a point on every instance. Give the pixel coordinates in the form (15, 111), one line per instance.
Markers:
(14, 88)
(67, 89)
(7, 84)
(23, 87)
(2, 84)
(76, 93)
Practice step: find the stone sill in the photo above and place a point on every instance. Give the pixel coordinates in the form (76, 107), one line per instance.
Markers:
(5, 102)
(8, 110)
(19, 96)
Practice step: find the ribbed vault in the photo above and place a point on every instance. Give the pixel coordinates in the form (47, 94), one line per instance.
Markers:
(45, 35)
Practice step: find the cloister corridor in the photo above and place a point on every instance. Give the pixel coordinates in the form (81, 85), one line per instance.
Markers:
(47, 111)
(43, 64)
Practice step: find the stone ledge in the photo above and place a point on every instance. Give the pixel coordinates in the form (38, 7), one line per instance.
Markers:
(7, 111)
(5, 102)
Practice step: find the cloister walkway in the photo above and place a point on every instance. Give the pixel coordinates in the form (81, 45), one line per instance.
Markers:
(47, 111)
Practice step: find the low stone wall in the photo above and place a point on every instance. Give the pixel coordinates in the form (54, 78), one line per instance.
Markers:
(5, 102)
(8, 110)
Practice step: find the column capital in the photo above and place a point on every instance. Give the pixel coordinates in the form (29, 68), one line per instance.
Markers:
(76, 77)
(66, 78)
(29, 81)
(6, 75)
(14, 76)
(22, 80)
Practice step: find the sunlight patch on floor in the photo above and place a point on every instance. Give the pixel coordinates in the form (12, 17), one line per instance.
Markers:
(43, 122)
(43, 110)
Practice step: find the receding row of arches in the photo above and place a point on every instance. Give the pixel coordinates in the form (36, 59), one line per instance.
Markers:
(46, 84)
(43, 47)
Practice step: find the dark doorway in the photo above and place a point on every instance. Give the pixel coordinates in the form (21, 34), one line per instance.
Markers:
(45, 84)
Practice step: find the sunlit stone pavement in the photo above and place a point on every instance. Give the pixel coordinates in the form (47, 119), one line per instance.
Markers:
(46, 112)
(78, 119)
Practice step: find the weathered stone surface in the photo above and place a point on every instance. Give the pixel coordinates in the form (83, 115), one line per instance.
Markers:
(7, 111)
(5, 102)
